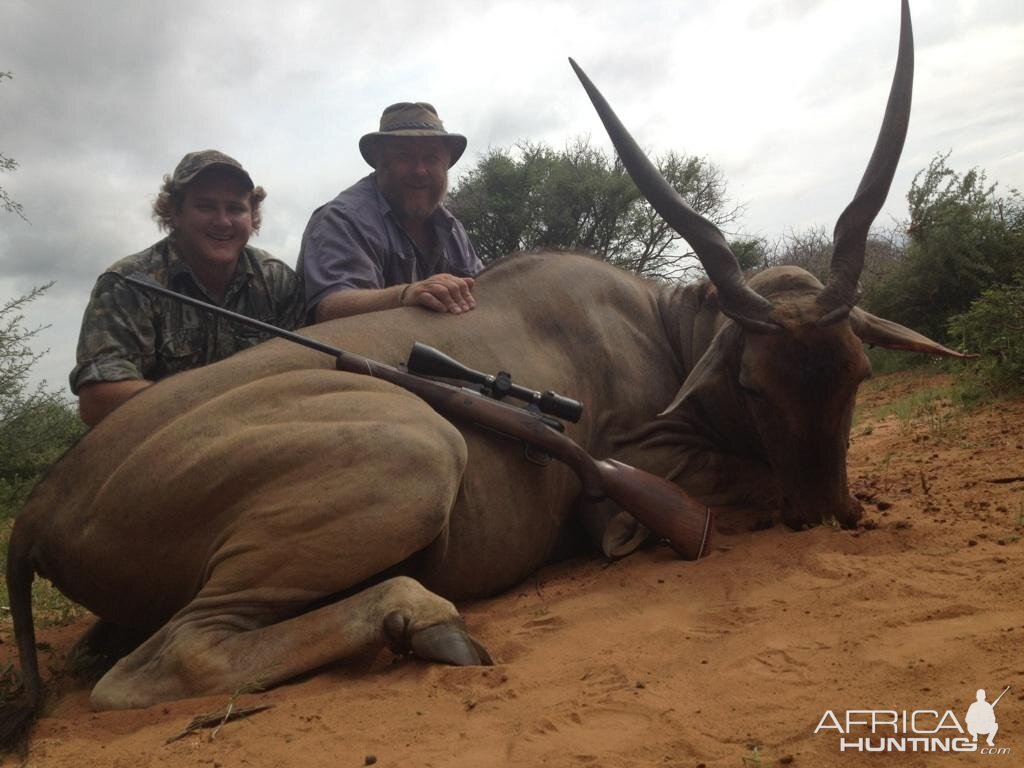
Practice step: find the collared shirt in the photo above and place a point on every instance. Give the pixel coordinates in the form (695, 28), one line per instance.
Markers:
(355, 241)
(131, 333)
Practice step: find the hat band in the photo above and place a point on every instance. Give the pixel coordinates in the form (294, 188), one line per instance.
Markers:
(414, 125)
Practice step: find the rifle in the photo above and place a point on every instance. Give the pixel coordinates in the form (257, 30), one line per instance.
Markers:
(660, 505)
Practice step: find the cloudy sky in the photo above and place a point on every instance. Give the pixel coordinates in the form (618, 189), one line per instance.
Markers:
(785, 96)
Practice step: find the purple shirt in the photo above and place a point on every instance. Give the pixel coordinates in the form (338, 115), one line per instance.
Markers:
(355, 241)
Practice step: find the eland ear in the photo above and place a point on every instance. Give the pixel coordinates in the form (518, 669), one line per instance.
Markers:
(884, 333)
(699, 373)
(713, 366)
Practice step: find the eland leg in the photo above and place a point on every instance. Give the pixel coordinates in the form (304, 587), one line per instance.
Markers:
(219, 645)
(101, 647)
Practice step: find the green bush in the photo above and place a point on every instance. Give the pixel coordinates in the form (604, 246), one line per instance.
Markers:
(994, 328)
(581, 197)
(29, 444)
(36, 425)
(964, 238)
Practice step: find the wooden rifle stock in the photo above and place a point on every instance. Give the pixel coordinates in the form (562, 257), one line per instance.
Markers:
(657, 503)
(660, 505)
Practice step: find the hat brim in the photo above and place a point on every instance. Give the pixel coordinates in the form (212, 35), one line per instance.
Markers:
(239, 172)
(456, 143)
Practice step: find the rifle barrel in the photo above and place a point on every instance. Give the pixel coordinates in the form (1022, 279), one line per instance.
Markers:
(298, 338)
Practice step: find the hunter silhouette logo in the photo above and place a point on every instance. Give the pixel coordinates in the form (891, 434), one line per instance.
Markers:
(919, 730)
(981, 717)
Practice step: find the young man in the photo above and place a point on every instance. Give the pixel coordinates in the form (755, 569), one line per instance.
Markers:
(387, 241)
(131, 338)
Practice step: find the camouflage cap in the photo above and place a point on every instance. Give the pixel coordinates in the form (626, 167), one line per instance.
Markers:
(412, 119)
(194, 163)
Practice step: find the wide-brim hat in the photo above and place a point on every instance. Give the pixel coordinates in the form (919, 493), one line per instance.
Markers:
(412, 119)
(194, 163)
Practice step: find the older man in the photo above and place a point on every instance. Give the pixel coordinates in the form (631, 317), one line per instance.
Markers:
(131, 338)
(387, 241)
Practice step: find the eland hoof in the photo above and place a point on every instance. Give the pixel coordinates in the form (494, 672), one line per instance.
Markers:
(449, 644)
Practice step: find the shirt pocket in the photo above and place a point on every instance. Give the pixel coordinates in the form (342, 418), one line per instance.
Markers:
(179, 352)
(243, 337)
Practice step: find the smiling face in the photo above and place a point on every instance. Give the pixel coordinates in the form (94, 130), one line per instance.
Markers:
(412, 174)
(215, 220)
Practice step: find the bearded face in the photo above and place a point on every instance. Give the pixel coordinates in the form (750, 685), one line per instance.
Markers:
(412, 174)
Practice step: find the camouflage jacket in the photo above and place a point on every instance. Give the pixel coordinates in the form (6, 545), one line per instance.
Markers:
(129, 333)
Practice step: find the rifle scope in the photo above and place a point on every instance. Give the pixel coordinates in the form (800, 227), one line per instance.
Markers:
(427, 361)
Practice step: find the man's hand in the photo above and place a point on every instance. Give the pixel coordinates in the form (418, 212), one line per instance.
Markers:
(441, 293)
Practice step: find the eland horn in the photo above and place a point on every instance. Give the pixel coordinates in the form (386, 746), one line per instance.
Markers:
(736, 299)
(851, 232)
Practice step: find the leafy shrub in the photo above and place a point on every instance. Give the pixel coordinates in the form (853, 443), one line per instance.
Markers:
(963, 239)
(994, 328)
(36, 425)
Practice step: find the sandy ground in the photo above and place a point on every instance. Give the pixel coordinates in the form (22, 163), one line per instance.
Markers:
(651, 661)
